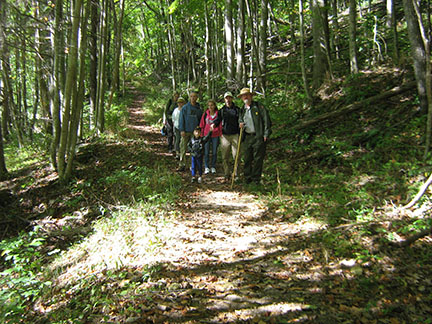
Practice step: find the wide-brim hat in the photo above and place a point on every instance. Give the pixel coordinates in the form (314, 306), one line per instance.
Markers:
(181, 99)
(245, 91)
(228, 94)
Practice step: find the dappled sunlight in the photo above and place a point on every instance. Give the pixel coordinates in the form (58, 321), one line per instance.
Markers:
(129, 240)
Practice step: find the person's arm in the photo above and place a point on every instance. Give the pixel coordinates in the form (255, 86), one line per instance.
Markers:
(202, 122)
(219, 118)
(207, 137)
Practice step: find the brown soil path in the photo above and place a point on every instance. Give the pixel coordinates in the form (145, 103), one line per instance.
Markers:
(223, 260)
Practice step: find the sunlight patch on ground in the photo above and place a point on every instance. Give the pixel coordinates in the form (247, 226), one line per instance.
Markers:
(218, 226)
(128, 240)
(265, 310)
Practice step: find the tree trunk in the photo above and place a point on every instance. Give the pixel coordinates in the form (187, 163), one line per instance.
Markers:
(336, 28)
(93, 50)
(171, 48)
(320, 64)
(78, 98)
(3, 170)
(229, 40)
(353, 36)
(117, 47)
(391, 25)
(262, 81)
(418, 52)
(240, 71)
(58, 86)
(302, 51)
(207, 49)
(103, 52)
(69, 91)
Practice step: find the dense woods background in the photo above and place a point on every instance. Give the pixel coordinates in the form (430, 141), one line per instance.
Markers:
(347, 84)
(64, 62)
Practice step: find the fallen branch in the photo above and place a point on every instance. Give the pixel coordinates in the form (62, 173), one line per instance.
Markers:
(357, 105)
(420, 193)
(411, 239)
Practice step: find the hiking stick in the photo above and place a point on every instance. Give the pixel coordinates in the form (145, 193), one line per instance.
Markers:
(237, 157)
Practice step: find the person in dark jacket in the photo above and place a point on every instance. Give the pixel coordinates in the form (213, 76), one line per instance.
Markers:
(190, 117)
(168, 122)
(255, 121)
(196, 148)
(229, 117)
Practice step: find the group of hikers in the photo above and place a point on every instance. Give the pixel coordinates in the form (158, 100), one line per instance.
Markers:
(190, 129)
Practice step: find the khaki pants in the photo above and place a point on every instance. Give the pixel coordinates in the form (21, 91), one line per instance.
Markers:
(228, 145)
(183, 148)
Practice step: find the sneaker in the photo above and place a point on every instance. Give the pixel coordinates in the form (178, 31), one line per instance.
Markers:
(193, 180)
(199, 179)
(213, 170)
(206, 171)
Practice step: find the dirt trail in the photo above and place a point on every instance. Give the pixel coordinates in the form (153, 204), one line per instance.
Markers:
(222, 258)
(229, 258)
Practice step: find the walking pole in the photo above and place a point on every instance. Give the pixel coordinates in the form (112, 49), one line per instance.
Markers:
(237, 157)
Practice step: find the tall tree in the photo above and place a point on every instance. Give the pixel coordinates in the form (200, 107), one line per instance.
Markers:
(71, 78)
(93, 61)
(353, 36)
(263, 46)
(207, 49)
(229, 39)
(3, 170)
(78, 95)
(57, 83)
(392, 26)
(320, 64)
(240, 42)
(420, 50)
(102, 60)
(302, 51)
(172, 47)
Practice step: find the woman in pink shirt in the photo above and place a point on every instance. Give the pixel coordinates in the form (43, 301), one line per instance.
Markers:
(210, 121)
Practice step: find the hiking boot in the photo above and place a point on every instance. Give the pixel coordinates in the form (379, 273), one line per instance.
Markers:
(206, 171)
(193, 180)
(199, 179)
(213, 170)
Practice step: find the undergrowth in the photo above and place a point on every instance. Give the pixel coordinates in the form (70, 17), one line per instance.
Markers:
(345, 172)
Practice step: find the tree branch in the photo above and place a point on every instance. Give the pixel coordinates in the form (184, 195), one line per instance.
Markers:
(357, 105)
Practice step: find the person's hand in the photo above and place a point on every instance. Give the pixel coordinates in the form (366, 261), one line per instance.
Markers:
(183, 134)
(241, 125)
(265, 139)
(211, 127)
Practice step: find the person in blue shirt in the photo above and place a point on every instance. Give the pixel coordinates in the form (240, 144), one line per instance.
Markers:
(189, 119)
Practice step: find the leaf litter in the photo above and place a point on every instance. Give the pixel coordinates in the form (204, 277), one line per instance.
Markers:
(225, 256)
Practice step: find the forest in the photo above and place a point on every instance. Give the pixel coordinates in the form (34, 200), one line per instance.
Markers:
(96, 224)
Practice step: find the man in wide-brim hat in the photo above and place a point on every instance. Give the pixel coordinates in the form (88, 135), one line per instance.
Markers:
(255, 121)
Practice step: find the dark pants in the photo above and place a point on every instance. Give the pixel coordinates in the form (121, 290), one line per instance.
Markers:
(170, 134)
(197, 165)
(213, 143)
(254, 150)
